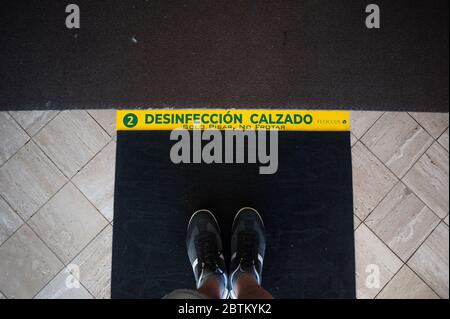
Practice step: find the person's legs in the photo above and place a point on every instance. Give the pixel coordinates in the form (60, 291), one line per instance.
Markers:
(204, 245)
(211, 288)
(248, 245)
(248, 288)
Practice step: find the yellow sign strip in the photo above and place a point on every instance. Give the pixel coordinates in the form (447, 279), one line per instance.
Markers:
(283, 120)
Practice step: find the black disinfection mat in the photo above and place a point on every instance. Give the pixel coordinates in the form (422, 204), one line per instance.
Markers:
(306, 206)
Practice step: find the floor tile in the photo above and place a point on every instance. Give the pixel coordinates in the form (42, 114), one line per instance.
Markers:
(67, 222)
(64, 286)
(406, 285)
(29, 179)
(402, 221)
(434, 123)
(443, 140)
(26, 264)
(71, 140)
(398, 141)
(430, 261)
(33, 121)
(96, 180)
(2, 296)
(371, 180)
(373, 260)
(106, 118)
(361, 121)
(12, 137)
(428, 179)
(446, 220)
(95, 265)
(9, 221)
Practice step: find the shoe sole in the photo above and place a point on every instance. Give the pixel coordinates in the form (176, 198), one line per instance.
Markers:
(248, 208)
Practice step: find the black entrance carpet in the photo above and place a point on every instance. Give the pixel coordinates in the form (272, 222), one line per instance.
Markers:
(225, 53)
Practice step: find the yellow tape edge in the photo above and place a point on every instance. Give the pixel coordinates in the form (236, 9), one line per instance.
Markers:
(223, 119)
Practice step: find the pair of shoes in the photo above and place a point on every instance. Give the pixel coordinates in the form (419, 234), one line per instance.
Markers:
(204, 246)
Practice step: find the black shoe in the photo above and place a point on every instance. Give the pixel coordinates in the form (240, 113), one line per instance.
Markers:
(248, 245)
(204, 246)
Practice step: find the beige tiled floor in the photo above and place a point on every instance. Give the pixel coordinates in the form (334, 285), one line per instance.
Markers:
(56, 204)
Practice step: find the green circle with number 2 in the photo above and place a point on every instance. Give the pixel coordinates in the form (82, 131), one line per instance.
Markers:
(130, 120)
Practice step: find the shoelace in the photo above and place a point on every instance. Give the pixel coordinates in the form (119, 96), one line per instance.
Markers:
(208, 251)
(246, 249)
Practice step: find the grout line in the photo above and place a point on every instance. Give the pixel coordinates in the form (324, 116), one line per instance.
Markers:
(37, 132)
(96, 209)
(68, 180)
(74, 184)
(403, 263)
(110, 222)
(407, 171)
(437, 139)
(92, 157)
(415, 251)
(26, 132)
(65, 184)
(48, 200)
(426, 284)
(421, 200)
(20, 217)
(370, 127)
(68, 177)
(31, 139)
(87, 111)
(376, 156)
(368, 148)
(401, 260)
(51, 120)
(414, 164)
(404, 183)
(48, 283)
(357, 227)
(384, 243)
(363, 220)
(90, 241)
(423, 242)
(65, 265)
(395, 184)
(45, 244)
(392, 278)
(17, 151)
(82, 250)
(409, 113)
(51, 250)
(399, 179)
(11, 207)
